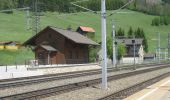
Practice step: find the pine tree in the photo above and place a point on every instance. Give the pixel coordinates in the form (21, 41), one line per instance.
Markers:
(120, 32)
(130, 32)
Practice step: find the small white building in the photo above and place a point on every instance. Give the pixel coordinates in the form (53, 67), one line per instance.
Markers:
(129, 43)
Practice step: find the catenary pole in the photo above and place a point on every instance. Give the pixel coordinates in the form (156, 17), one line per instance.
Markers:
(103, 30)
(104, 53)
(114, 47)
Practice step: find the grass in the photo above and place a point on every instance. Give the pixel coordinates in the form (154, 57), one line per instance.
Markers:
(13, 27)
(15, 57)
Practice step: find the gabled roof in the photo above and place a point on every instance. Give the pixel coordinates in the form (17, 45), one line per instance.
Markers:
(73, 36)
(87, 29)
(48, 47)
(126, 41)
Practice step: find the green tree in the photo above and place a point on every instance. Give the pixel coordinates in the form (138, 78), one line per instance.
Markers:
(130, 32)
(121, 51)
(139, 33)
(155, 22)
(109, 47)
(165, 20)
(166, 1)
(145, 44)
(120, 32)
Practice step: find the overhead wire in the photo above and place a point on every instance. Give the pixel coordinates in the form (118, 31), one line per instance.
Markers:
(115, 11)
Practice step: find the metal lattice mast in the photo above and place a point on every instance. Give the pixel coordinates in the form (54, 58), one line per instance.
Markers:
(36, 17)
(27, 18)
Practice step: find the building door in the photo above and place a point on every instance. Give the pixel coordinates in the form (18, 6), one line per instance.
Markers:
(42, 58)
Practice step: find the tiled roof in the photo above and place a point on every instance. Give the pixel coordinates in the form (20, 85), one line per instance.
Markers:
(87, 29)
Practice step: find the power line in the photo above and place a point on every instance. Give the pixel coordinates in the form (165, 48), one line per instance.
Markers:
(121, 8)
(74, 3)
(80, 1)
(6, 10)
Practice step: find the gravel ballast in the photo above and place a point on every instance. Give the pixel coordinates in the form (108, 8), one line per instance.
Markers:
(94, 92)
(33, 87)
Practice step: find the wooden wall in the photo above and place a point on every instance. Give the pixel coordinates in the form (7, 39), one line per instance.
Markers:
(67, 51)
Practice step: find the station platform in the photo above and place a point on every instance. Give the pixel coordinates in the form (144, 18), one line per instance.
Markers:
(26, 71)
(157, 91)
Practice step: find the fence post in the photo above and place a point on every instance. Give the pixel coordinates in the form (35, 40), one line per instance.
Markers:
(38, 62)
(16, 65)
(51, 62)
(25, 63)
(6, 69)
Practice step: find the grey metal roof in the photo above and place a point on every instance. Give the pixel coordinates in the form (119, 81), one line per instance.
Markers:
(75, 36)
(129, 41)
(48, 47)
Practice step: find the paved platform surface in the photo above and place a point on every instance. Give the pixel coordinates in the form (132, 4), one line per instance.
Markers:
(25, 71)
(157, 91)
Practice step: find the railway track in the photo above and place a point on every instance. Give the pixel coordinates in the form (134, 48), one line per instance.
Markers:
(34, 95)
(133, 89)
(17, 82)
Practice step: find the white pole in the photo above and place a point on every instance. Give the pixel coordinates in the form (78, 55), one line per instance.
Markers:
(114, 47)
(104, 53)
(159, 55)
(165, 54)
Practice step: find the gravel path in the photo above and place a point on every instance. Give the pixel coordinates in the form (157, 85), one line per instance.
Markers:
(94, 92)
(33, 87)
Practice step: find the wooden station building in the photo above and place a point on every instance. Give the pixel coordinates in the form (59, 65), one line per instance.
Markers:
(58, 46)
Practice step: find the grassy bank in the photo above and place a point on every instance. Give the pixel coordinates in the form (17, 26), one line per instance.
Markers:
(13, 27)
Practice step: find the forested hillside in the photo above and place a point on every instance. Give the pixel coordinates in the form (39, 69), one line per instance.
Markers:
(59, 5)
(154, 7)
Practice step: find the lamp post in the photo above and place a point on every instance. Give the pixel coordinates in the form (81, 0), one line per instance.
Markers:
(133, 41)
(159, 45)
(114, 44)
(116, 52)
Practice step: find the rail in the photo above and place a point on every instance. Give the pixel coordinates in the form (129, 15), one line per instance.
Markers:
(74, 86)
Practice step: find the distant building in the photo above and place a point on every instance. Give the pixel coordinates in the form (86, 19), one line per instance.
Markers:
(86, 31)
(129, 56)
(59, 46)
(149, 56)
(2, 45)
(10, 45)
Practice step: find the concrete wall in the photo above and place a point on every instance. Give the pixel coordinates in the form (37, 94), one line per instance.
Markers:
(130, 60)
